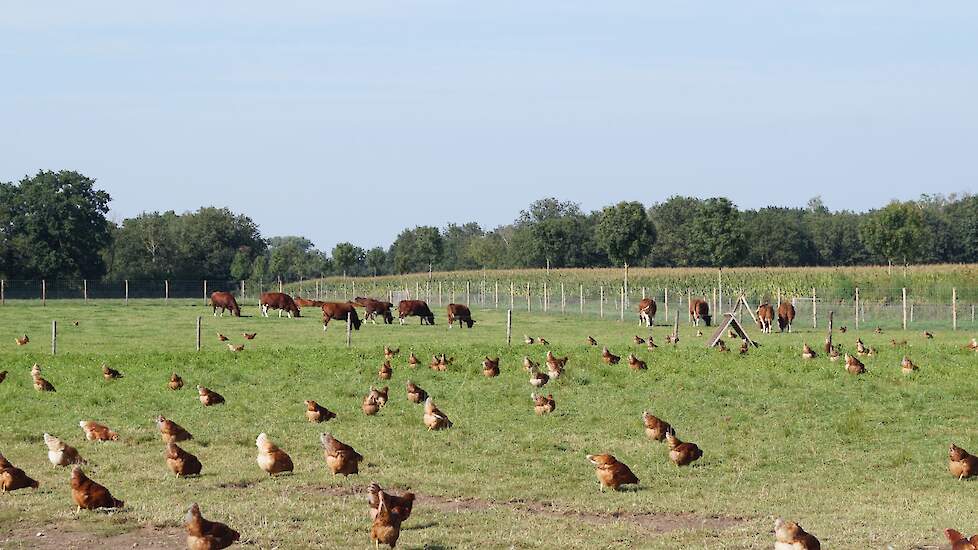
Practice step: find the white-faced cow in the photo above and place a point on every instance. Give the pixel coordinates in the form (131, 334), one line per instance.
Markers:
(765, 317)
(646, 312)
(415, 308)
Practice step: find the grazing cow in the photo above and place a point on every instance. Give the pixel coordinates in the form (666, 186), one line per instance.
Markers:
(460, 313)
(225, 301)
(786, 314)
(415, 308)
(765, 316)
(646, 312)
(279, 301)
(699, 309)
(344, 311)
(372, 307)
(304, 302)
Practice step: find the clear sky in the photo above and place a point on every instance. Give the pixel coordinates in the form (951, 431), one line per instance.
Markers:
(352, 120)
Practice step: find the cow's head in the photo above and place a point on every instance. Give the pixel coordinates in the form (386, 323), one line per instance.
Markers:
(469, 322)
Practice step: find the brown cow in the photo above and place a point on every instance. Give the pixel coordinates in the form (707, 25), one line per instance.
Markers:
(304, 302)
(765, 316)
(279, 301)
(460, 313)
(699, 309)
(225, 301)
(344, 311)
(415, 308)
(646, 312)
(372, 307)
(786, 314)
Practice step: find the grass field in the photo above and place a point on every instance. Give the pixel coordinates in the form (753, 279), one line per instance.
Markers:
(859, 461)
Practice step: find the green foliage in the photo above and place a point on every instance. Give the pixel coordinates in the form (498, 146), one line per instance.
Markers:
(348, 258)
(417, 250)
(554, 231)
(376, 261)
(241, 265)
(625, 233)
(896, 232)
(293, 258)
(716, 234)
(53, 225)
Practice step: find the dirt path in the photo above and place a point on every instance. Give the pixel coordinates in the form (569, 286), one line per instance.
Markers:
(65, 537)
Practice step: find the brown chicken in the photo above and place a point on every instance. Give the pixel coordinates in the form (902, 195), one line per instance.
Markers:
(170, 431)
(40, 384)
(609, 358)
(638, 340)
(235, 348)
(175, 382)
(958, 542)
(681, 453)
(907, 366)
(528, 340)
(415, 393)
(22, 341)
(222, 338)
(650, 344)
(181, 462)
(386, 371)
(862, 349)
(386, 527)
(961, 463)
(833, 354)
(207, 535)
(433, 418)
(528, 364)
(380, 395)
(722, 347)
(89, 494)
(370, 406)
(854, 366)
(828, 345)
(543, 341)
(60, 453)
(13, 478)
(110, 373)
(543, 404)
(209, 398)
(272, 459)
(390, 353)
(537, 378)
(490, 367)
(635, 363)
(340, 457)
(556, 362)
(655, 428)
(807, 352)
(611, 472)
(97, 432)
(317, 413)
(744, 347)
(591, 341)
(249, 335)
(413, 360)
(400, 505)
(788, 535)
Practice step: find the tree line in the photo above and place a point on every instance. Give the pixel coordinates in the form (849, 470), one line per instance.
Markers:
(54, 225)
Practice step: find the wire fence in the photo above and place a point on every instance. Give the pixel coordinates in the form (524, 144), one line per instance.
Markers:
(936, 306)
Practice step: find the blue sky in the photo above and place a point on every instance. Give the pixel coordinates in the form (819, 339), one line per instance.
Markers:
(352, 120)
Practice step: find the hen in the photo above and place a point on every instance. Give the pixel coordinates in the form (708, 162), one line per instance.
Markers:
(97, 432)
(789, 535)
(272, 459)
(681, 453)
(317, 413)
(13, 478)
(60, 453)
(611, 472)
(209, 398)
(207, 535)
(433, 418)
(340, 457)
(170, 431)
(181, 462)
(90, 495)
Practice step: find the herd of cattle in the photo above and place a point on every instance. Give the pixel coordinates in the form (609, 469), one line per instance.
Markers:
(344, 311)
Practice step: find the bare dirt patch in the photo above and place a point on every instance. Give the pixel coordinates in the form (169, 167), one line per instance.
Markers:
(65, 537)
(653, 522)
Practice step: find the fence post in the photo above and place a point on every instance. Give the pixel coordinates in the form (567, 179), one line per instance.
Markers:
(85, 290)
(814, 312)
(198, 333)
(719, 311)
(624, 292)
(954, 309)
(349, 328)
(242, 290)
(453, 293)
(643, 292)
(512, 293)
(3, 292)
(166, 291)
(509, 327)
(545, 297)
(563, 298)
(904, 308)
(468, 294)
(601, 300)
(857, 308)
(621, 312)
(54, 337)
(689, 300)
(911, 312)
(828, 339)
(280, 284)
(779, 297)
(527, 296)
(665, 300)
(496, 294)
(439, 293)
(713, 306)
(205, 291)
(127, 292)
(44, 292)
(581, 297)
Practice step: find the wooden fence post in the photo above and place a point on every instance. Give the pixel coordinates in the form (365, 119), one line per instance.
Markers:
(545, 296)
(198, 333)
(527, 296)
(280, 287)
(242, 290)
(643, 292)
(857, 308)
(44, 292)
(453, 293)
(54, 337)
(624, 292)
(713, 305)
(675, 326)
(439, 293)
(349, 328)
(954, 309)
(665, 300)
(814, 311)
(205, 291)
(3, 292)
(127, 292)
(689, 300)
(468, 294)
(621, 312)
(581, 297)
(828, 339)
(601, 300)
(512, 293)
(85, 290)
(904, 308)
(779, 297)
(509, 327)
(496, 294)
(563, 298)
(166, 291)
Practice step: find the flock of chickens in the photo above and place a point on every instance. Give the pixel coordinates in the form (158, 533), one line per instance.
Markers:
(388, 510)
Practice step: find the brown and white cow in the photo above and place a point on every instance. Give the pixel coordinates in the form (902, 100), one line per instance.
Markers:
(372, 308)
(305, 302)
(699, 309)
(415, 308)
(344, 311)
(786, 314)
(765, 317)
(279, 301)
(460, 313)
(225, 301)
(646, 312)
